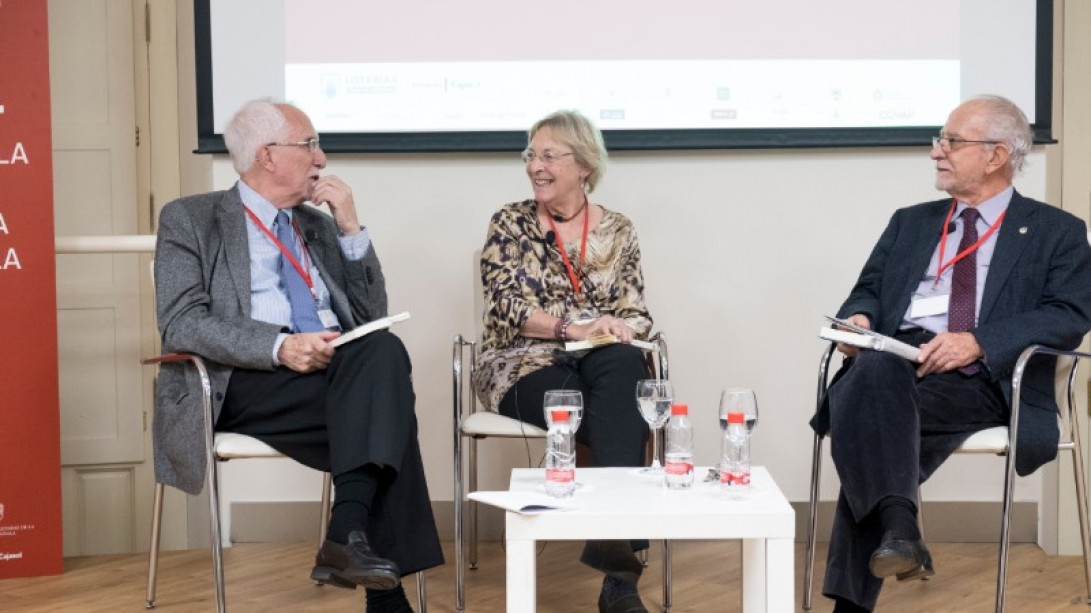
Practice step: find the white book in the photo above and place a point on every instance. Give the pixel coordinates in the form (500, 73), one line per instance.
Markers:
(872, 340)
(606, 339)
(378, 324)
(523, 501)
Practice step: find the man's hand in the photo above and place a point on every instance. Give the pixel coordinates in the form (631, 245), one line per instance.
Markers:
(860, 320)
(948, 351)
(307, 351)
(334, 192)
(603, 325)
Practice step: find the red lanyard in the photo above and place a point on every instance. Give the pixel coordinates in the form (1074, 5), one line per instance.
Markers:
(284, 250)
(967, 251)
(583, 248)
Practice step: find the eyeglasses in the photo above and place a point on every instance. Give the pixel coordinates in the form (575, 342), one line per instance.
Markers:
(311, 144)
(946, 142)
(548, 157)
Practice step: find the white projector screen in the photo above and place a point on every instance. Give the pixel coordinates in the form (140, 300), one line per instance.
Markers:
(434, 75)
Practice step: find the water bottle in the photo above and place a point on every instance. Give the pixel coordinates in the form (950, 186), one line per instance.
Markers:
(560, 462)
(679, 469)
(735, 456)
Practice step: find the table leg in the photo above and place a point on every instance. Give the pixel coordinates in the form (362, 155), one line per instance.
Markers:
(522, 580)
(753, 576)
(767, 580)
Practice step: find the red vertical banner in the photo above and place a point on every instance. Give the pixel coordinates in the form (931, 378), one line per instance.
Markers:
(30, 456)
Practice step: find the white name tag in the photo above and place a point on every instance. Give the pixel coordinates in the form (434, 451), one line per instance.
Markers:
(329, 319)
(930, 305)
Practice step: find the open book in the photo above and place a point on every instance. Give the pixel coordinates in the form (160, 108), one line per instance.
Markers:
(523, 501)
(371, 326)
(605, 339)
(868, 339)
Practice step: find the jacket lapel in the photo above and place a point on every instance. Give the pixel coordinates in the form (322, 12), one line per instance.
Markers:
(232, 222)
(1010, 243)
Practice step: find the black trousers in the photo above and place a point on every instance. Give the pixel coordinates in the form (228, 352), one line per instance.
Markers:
(889, 431)
(612, 426)
(358, 411)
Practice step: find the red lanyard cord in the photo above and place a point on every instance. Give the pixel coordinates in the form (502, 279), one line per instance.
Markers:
(284, 250)
(967, 251)
(583, 248)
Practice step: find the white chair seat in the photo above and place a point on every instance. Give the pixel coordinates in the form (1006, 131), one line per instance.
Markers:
(992, 440)
(487, 423)
(231, 445)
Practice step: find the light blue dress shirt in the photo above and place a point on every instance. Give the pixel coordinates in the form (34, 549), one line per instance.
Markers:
(990, 210)
(268, 298)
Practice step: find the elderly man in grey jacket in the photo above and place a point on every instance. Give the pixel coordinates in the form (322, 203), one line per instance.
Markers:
(259, 284)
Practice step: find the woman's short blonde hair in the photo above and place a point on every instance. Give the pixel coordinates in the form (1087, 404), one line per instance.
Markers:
(575, 130)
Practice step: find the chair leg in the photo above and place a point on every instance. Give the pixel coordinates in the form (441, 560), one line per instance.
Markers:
(1081, 506)
(812, 524)
(668, 587)
(422, 593)
(153, 551)
(460, 562)
(473, 504)
(217, 544)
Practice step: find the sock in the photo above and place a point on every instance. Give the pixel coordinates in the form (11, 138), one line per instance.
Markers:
(354, 491)
(388, 601)
(613, 588)
(848, 606)
(899, 516)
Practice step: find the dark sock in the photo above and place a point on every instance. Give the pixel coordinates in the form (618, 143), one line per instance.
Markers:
(848, 606)
(898, 515)
(613, 588)
(388, 601)
(354, 492)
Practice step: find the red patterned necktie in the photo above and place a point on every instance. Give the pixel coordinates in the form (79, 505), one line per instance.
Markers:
(962, 310)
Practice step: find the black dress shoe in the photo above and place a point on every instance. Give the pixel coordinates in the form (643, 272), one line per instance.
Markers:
(922, 572)
(896, 556)
(354, 564)
(627, 603)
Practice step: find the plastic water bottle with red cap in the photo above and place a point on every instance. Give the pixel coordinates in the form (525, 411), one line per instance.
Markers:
(560, 461)
(735, 458)
(679, 444)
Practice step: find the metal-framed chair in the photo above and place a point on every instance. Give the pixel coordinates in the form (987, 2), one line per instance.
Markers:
(998, 441)
(224, 446)
(477, 425)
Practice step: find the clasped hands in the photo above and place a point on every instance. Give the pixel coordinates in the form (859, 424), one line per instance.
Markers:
(944, 353)
(307, 351)
(606, 324)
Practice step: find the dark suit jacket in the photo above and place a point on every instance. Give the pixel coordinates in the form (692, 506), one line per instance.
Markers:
(1038, 291)
(202, 272)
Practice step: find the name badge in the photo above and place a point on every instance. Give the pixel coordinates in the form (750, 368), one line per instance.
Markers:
(329, 319)
(929, 305)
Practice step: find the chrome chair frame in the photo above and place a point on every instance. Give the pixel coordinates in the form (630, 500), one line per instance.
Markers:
(215, 454)
(1070, 441)
(509, 428)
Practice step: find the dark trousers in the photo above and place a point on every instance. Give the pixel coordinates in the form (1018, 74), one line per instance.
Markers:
(359, 411)
(612, 426)
(889, 431)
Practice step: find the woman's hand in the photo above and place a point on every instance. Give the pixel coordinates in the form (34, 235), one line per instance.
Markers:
(603, 325)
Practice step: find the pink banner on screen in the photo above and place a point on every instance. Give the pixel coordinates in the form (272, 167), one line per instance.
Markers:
(30, 472)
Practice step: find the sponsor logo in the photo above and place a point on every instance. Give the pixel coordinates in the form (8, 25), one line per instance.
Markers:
(4, 557)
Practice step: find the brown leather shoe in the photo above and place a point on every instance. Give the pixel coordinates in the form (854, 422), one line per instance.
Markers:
(354, 563)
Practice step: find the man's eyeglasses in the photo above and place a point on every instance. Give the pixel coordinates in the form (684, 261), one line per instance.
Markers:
(946, 142)
(311, 144)
(548, 157)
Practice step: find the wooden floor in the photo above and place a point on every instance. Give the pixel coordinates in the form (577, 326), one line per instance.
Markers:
(267, 578)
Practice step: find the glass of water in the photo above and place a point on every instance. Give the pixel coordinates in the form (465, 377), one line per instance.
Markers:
(654, 398)
(739, 400)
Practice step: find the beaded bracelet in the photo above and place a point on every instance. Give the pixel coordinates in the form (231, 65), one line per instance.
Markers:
(564, 330)
(557, 329)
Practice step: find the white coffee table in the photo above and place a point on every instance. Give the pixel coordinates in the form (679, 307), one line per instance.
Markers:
(618, 503)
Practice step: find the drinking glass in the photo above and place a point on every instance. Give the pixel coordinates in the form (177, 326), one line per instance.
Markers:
(739, 400)
(564, 400)
(654, 398)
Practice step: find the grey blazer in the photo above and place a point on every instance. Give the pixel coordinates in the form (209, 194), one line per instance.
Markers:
(202, 289)
(1038, 291)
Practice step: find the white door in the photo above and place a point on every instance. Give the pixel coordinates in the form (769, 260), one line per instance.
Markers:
(91, 45)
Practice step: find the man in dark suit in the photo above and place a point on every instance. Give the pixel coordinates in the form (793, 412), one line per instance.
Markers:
(972, 289)
(258, 284)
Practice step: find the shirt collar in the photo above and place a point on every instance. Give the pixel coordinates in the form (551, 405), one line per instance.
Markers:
(990, 209)
(257, 203)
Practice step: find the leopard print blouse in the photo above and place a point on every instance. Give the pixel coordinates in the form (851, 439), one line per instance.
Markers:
(521, 274)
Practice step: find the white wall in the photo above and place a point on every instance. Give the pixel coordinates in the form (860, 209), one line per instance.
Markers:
(744, 252)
